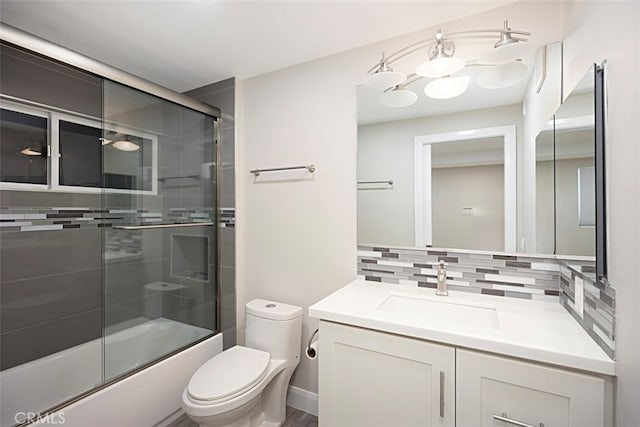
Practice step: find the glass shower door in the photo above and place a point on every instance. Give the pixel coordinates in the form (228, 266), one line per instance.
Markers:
(159, 227)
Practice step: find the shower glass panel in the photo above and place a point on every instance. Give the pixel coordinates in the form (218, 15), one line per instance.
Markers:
(108, 251)
(158, 198)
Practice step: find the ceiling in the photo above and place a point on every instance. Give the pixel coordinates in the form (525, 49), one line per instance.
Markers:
(184, 44)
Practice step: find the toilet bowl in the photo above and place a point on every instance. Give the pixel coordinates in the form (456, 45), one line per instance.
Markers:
(246, 386)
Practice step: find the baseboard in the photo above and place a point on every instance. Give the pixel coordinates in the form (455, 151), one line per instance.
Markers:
(170, 419)
(303, 400)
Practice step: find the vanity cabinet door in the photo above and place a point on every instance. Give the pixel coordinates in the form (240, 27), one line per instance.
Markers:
(534, 395)
(370, 379)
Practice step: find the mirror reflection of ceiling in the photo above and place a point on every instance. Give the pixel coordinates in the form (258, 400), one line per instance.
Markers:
(576, 144)
(476, 152)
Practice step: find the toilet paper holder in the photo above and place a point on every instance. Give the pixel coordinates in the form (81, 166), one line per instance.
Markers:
(311, 352)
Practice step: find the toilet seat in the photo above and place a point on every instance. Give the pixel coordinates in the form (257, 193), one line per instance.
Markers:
(228, 375)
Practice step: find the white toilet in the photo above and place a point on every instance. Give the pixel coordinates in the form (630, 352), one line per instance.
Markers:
(247, 386)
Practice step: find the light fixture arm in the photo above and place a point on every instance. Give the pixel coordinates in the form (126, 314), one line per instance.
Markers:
(505, 33)
(411, 78)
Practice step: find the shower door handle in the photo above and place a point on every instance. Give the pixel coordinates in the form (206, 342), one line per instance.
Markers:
(152, 226)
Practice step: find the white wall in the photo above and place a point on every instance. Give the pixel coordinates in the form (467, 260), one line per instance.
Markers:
(298, 237)
(478, 187)
(571, 239)
(385, 151)
(589, 28)
(545, 207)
(299, 229)
(539, 106)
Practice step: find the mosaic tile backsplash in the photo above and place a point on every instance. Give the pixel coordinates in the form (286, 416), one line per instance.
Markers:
(514, 276)
(501, 275)
(598, 317)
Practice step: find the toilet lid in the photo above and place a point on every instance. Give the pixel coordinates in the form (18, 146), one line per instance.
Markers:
(229, 373)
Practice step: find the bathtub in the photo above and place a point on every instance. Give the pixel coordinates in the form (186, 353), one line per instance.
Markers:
(43, 383)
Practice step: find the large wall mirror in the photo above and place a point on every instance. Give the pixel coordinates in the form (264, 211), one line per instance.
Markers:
(452, 173)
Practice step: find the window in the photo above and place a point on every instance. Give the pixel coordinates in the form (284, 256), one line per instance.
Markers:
(80, 156)
(85, 156)
(23, 147)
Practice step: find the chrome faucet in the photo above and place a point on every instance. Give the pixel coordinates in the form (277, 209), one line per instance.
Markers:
(442, 280)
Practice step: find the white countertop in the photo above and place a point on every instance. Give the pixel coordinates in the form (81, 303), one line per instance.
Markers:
(534, 330)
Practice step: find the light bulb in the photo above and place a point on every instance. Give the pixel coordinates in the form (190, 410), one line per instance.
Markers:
(447, 87)
(124, 145)
(398, 98)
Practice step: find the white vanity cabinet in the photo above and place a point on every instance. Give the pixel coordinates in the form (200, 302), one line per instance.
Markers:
(498, 391)
(370, 379)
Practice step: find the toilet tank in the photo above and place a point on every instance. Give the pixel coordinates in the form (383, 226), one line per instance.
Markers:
(274, 327)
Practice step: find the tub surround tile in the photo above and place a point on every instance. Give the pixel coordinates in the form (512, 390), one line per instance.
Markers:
(32, 301)
(27, 344)
(45, 253)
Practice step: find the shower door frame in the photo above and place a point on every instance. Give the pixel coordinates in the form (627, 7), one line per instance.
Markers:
(20, 39)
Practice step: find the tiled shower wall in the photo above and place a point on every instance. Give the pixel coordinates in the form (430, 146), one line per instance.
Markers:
(515, 276)
(222, 95)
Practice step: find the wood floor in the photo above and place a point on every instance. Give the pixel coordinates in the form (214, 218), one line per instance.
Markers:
(295, 418)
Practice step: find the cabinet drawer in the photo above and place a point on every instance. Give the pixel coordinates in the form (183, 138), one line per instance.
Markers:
(491, 386)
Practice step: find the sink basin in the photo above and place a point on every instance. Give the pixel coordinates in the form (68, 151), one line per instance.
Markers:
(440, 311)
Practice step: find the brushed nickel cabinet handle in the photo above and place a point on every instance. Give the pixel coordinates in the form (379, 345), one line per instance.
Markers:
(507, 420)
(441, 394)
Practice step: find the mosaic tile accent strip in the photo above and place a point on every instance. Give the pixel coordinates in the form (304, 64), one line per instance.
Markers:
(227, 217)
(481, 273)
(598, 318)
(122, 243)
(60, 218)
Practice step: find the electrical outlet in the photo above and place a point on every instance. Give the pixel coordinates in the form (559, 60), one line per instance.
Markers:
(579, 296)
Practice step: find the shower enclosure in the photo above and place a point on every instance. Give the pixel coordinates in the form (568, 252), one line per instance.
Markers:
(108, 220)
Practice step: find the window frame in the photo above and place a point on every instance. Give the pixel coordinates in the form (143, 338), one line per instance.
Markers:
(54, 116)
(20, 108)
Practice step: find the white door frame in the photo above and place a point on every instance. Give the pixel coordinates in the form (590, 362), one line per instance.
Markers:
(422, 180)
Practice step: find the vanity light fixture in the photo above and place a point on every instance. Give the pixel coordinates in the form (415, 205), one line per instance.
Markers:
(120, 142)
(447, 87)
(383, 76)
(441, 61)
(125, 145)
(28, 151)
(398, 97)
(442, 65)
